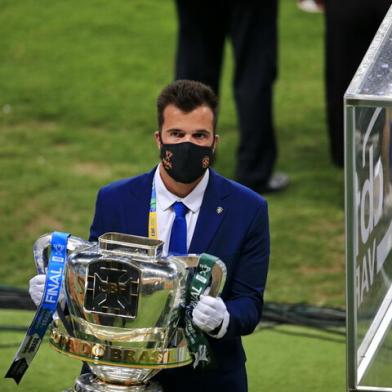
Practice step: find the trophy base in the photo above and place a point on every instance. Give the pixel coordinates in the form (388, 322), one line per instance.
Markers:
(90, 383)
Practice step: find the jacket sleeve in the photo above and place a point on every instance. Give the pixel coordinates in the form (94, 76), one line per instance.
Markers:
(97, 226)
(245, 298)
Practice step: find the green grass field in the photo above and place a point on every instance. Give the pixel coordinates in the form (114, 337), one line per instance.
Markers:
(78, 83)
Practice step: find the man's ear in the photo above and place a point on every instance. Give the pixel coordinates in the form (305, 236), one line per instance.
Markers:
(157, 139)
(216, 141)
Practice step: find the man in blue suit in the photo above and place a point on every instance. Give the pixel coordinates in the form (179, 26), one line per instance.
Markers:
(223, 218)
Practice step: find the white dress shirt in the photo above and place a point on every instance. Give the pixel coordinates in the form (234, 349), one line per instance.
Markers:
(166, 215)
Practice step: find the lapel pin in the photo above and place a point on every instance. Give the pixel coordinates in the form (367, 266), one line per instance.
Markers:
(219, 210)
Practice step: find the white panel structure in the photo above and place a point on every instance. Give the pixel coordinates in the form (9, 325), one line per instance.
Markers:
(368, 177)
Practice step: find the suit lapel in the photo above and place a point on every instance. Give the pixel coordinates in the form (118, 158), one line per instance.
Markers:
(212, 212)
(139, 205)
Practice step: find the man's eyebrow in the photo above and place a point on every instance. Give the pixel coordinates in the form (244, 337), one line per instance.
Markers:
(174, 129)
(201, 130)
(193, 131)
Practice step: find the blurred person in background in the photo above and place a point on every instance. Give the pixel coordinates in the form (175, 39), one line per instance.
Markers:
(252, 27)
(350, 26)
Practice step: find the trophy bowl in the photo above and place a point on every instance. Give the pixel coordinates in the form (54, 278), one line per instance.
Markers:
(125, 303)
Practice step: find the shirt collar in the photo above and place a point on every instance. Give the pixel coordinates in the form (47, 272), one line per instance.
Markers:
(165, 198)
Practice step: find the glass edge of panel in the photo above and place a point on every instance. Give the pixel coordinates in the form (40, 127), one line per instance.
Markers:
(371, 54)
(367, 100)
(349, 174)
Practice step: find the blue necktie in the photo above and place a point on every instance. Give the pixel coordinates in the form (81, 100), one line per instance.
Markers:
(177, 244)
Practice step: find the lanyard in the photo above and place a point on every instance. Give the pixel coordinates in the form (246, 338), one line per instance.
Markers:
(152, 216)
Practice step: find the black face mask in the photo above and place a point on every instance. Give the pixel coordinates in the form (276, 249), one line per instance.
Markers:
(186, 162)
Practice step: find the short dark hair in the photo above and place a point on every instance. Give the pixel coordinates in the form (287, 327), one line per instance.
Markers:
(187, 95)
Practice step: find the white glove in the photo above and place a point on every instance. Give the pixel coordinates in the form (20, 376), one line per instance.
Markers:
(37, 288)
(209, 314)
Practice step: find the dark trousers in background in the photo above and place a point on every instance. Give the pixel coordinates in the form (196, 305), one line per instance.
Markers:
(252, 27)
(350, 28)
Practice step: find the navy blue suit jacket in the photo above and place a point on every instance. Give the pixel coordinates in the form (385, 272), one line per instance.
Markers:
(238, 235)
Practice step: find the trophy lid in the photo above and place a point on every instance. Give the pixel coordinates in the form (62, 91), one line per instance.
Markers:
(128, 245)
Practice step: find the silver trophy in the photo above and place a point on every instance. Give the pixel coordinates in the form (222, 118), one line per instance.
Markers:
(125, 303)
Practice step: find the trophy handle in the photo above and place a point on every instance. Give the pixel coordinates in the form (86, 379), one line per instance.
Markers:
(42, 246)
(218, 278)
(218, 273)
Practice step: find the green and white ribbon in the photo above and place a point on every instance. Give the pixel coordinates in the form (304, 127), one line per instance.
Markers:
(197, 341)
